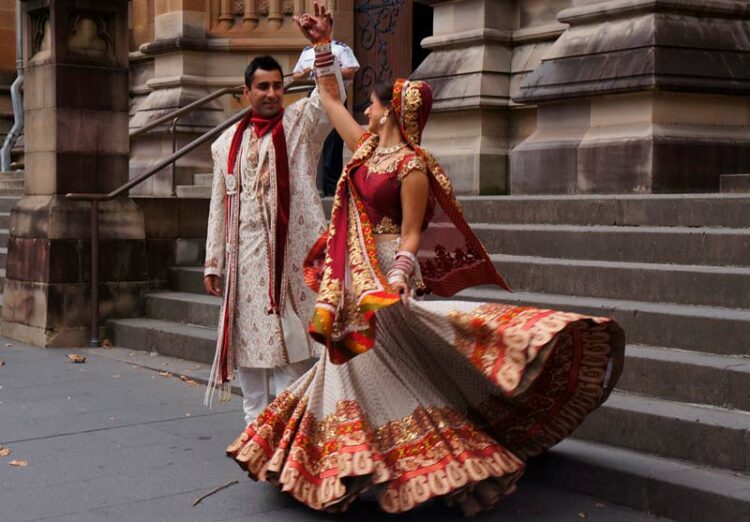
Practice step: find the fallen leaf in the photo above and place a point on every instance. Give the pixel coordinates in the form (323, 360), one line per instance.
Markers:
(165, 374)
(4, 452)
(19, 463)
(582, 515)
(2, 363)
(8, 345)
(116, 376)
(106, 343)
(74, 357)
(184, 378)
(600, 505)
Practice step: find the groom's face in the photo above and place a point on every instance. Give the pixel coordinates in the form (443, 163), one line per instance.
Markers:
(266, 92)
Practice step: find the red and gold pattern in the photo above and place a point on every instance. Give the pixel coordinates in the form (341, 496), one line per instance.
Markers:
(548, 366)
(541, 373)
(433, 452)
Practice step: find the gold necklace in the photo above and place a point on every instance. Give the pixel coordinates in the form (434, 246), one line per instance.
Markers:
(384, 151)
(385, 162)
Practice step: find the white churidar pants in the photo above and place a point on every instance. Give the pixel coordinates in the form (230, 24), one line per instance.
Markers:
(256, 386)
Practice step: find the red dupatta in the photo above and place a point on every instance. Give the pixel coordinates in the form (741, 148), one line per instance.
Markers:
(343, 267)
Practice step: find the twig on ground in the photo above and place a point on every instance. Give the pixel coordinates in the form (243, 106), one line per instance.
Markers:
(215, 490)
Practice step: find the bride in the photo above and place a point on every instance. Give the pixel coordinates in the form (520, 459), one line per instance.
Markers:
(417, 399)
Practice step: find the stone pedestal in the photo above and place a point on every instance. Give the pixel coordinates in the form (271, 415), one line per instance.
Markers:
(469, 68)
(481, 51)
(177, 61)
(76, 109)
(639, 96)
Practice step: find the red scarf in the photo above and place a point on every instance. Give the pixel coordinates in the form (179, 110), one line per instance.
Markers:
(262, 126)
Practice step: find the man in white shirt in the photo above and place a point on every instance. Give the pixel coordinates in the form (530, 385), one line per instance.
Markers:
(347, 61)
(331, 157)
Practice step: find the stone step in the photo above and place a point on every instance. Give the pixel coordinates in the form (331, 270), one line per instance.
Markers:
(8, 201)
(682, 284)
(11, 184)
(680, 375)
(678, 245)
(203, 180)
(4, 221)
(664, 487)
(183, 307)
(679, 210)
(186, 279)
(193, 191)
(734, 183)
(702, 328)
(185, 341)
(702, 434)
(13, 175)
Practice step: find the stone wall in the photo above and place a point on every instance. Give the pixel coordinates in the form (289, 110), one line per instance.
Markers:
(582, 96)
(76, 110)
(639, 96)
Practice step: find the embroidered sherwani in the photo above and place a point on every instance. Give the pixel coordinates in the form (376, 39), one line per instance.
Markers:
(260, 339)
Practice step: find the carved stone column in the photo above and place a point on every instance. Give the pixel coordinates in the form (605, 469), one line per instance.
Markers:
(639, 96)
(76, 109)
(179, 64)
(469, 69)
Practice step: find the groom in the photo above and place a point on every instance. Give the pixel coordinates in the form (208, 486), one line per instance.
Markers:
(264, 216)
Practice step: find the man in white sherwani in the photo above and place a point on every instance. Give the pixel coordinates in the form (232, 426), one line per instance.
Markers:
(265, 216)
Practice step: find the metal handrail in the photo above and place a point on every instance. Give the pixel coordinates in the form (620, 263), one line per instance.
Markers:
(186, 109)
(95, 199)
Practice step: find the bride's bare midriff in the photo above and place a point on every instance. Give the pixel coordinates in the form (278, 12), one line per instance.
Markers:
(382, 238)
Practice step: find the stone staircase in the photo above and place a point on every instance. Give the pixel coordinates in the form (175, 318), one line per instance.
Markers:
(674, 438)
(201, 187)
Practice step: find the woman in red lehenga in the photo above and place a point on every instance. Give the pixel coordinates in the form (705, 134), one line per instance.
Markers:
(418, 399)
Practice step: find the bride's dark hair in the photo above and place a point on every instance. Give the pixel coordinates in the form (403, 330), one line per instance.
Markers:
(384, 92)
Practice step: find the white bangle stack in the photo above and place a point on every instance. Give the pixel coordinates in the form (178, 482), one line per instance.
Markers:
(403, 267)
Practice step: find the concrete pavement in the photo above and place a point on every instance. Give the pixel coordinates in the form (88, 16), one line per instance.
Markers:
(120, 439)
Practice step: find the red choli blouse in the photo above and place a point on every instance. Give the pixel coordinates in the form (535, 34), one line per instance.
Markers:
(380, 193)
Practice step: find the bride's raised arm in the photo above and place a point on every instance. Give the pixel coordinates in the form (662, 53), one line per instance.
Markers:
(317, 28)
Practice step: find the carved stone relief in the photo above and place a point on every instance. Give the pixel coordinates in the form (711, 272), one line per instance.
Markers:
(91, 36)
(39, 34)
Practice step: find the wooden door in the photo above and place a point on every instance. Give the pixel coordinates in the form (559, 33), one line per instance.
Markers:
(382, 44)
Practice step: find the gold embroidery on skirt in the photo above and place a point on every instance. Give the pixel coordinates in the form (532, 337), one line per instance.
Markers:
(434, 451)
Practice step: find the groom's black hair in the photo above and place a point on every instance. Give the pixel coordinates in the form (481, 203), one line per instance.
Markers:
(265, 63)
